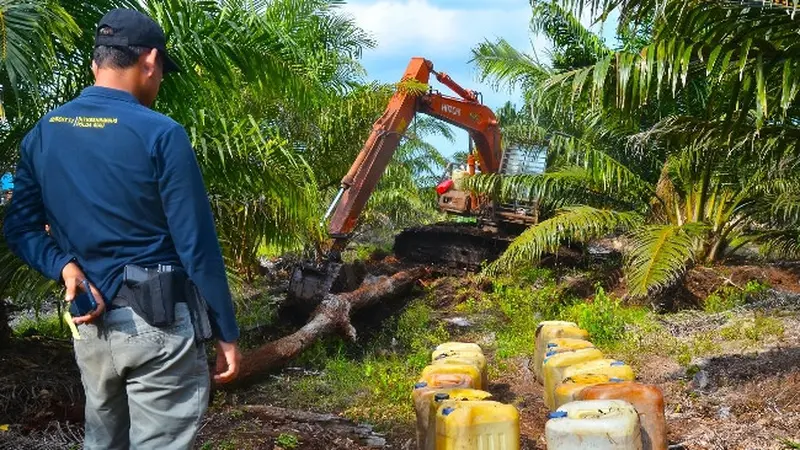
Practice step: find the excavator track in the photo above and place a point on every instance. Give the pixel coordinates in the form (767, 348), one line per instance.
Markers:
(452, 245)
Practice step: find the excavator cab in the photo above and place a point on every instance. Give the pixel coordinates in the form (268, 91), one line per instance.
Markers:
(453, 198)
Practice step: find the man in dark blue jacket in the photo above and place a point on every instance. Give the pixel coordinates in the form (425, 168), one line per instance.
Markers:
(119, 185)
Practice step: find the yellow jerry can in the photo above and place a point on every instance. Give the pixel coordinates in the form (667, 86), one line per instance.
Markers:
(432, 373)
(594, 424)
(446, 397)
(555, 365)
(478, 425)
(610, 367)
(569, 389)
(546, 332)
(459, 346)
(464, 357)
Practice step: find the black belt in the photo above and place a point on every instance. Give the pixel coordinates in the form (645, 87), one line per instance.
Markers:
(119, 302)
(122, 299)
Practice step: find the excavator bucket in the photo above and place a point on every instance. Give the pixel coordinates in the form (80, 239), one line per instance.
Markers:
(311, 282)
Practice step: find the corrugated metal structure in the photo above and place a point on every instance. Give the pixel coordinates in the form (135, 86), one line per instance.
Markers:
(521, 160)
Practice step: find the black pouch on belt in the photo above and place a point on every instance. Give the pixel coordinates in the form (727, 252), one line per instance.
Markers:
(198, 309)
(154, 299)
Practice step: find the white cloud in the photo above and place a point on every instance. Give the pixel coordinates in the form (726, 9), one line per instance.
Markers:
(420, 26)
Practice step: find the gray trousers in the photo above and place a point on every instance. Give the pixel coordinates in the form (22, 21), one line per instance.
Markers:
(146, 387)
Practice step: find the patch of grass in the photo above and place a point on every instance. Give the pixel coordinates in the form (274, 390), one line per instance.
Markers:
(258, 311)
(686, 350)
(520, 301)
(228, 444)
(362, 252)
(754, 330)
(371, 383)
(790, 444)
(472, 305)
(51, 326)
(417, 333)
(730, 297)
(375, 388)
(287, 441)
(534, 275)
(520, 307)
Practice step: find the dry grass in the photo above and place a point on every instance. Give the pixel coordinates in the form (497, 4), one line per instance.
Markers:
(40, 383)
(56, 436)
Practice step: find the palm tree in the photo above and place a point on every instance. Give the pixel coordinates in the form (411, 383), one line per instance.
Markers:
(685, 137)
(43, 62)
(259, 79)
(272, 95)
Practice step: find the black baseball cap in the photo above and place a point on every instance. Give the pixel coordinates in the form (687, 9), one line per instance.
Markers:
(126, 27)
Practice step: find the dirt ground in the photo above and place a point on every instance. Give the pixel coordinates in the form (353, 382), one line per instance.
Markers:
(740, 399)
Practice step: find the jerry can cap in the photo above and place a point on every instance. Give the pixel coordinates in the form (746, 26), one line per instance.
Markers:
(617, 364)
(421, 385)
(551, 345)
(441, 396)
(447, 411)
(615, 380)
(557, 415)
(550, 353)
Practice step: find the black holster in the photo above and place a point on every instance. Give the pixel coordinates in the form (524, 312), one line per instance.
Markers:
(153, 294)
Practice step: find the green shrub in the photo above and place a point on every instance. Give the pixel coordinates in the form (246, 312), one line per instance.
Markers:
(51, 326)
(604, 317)
(533, 296)
(287, 441)
(729, 297)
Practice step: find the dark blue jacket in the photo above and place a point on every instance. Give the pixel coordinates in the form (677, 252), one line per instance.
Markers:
(119, 184)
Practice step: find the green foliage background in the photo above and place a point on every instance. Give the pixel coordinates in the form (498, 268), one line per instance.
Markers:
(683, 139)
(272, 94)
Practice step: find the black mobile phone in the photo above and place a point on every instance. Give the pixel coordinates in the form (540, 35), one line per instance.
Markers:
(83, 303)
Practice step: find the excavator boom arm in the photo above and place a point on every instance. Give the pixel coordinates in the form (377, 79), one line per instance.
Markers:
(465, 112)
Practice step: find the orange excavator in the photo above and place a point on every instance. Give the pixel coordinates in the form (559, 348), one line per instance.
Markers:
(448, 244)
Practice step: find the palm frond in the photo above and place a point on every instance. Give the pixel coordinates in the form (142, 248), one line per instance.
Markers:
(607, 173)
(553, 189)
(576, 223)
(778, 243)
(786, 208)
(718, 42)
(28, 286)
(660, 254)
(32, 32)
(574, 45)
(503, 65)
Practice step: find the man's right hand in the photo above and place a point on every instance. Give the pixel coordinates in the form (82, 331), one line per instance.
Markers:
(228, 362)
(73, 278)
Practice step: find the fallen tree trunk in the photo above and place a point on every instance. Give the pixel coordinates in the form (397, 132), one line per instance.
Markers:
(332, 315)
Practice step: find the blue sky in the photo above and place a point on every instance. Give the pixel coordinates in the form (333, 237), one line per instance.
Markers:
(445, 32)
